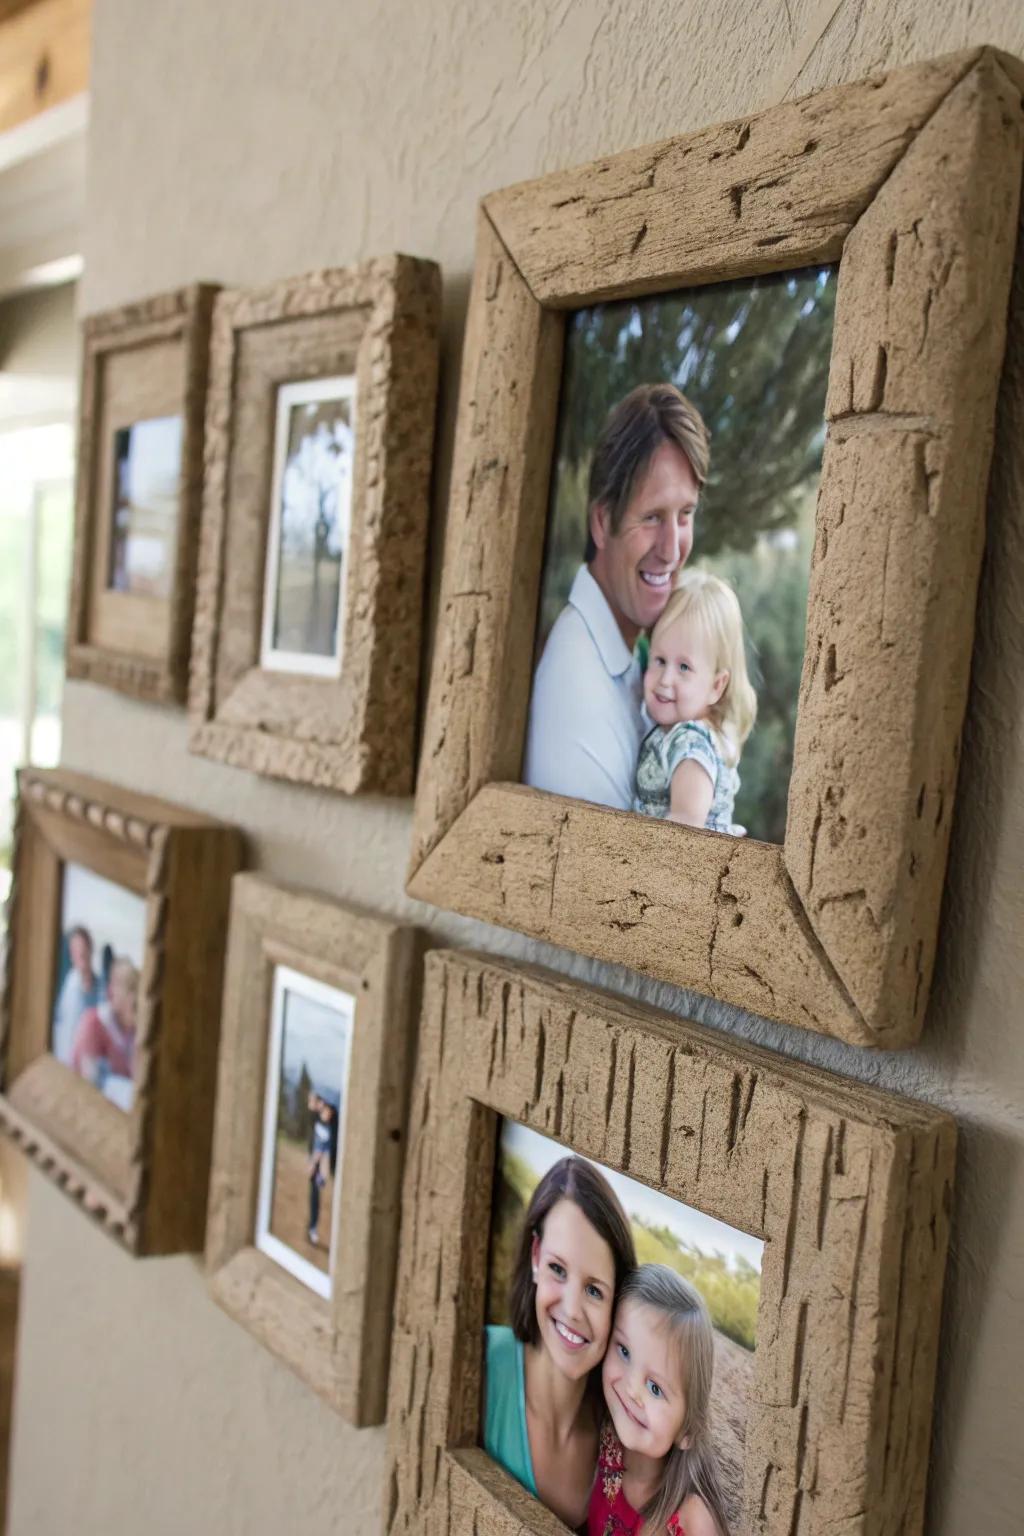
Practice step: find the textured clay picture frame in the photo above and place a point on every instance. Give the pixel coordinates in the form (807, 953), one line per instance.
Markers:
(164, 342)
(339, 1347)
(911, 181)
(143, 1174)
(849, 1188)
(355, 733)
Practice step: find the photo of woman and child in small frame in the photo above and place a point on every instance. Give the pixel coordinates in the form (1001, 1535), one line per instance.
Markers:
(307, 1068)
(96, 995)
(674, 589)
(619, 1350)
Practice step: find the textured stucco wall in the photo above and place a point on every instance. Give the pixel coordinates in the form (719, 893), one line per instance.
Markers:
(252, 139)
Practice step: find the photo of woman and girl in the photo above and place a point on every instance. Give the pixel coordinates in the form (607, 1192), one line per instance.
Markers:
(602, 1394)
(95, 1012)
(677, 644)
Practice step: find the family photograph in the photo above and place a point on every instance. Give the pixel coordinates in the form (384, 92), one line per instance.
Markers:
(674, 588)
(619, 1350)
(96, 995)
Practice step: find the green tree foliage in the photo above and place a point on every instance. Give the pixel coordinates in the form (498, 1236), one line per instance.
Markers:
(730, 1289)
(753, 356)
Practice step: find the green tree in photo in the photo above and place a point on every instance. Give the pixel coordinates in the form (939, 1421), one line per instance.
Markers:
(753, 356)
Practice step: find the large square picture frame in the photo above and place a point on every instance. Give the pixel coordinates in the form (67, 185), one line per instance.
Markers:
(849, 1188)
(339, 1345)
(160, 347)
(911, 181)
(143, 1174)
(354, 733)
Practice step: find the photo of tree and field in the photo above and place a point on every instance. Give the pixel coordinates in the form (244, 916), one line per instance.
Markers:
(723, 1263)
(301, 1163)
(753, 357)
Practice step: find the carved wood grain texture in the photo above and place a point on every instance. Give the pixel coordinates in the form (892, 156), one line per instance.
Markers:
(144, 1173)
(916, 358)
(775, 191)
(913, 179)
(183, 317)
(354, 734)
(341, 1346)
(849, 1188)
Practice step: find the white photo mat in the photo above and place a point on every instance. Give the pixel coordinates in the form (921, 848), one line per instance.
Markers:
(272, 657)
(287, 980)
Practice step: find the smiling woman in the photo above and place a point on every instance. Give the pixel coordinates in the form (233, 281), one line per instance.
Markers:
(542, 1418)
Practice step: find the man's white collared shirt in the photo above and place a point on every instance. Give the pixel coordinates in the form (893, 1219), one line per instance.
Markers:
(585, 710)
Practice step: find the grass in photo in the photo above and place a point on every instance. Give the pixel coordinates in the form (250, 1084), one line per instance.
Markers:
(721, 1263)
(311, 1030)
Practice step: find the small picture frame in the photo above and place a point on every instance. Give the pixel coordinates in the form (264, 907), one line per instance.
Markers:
(826, 916)
(139, 494)
(319, 439)
(835, 1199)
(316, 1056)
(117, 921)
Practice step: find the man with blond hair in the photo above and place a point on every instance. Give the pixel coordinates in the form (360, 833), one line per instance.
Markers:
(586, 722)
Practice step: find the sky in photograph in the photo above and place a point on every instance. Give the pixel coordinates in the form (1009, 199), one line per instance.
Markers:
(112, 914)
(316, 1034)
(154, 460)
(646, 1205)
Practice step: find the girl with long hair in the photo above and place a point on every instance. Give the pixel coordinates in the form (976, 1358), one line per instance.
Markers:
(657, 1471)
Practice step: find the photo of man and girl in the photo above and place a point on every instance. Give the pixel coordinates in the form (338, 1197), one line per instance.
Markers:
(619, 1351)
(96, 995)
(674, 590)
(297, 1209)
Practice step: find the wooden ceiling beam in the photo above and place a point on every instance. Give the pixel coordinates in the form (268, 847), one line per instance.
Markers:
(44, 56)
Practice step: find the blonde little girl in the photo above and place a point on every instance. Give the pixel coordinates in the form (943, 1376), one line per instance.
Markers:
(656, 1470)
(698, 694)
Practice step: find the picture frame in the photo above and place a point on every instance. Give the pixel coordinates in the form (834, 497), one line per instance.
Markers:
(138, 1159)
(836, 929)
(341, 716)
(848, 1187)
(337, 1342)
(144, 365)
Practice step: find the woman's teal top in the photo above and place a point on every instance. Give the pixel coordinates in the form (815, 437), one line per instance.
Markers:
(505, 1436)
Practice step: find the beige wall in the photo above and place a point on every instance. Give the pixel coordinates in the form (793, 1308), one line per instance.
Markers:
(251, 139)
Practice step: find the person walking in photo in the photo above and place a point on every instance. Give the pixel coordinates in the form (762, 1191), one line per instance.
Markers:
(322, 1157)
(586, 724)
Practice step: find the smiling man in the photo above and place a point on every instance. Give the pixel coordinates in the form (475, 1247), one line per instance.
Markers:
(585, 711)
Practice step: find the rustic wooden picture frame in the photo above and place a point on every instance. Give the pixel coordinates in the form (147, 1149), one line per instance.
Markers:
(341, 1346)
(354, 733)
(143, 1174)
(912, 182)
(849, 1188)
(149, 358)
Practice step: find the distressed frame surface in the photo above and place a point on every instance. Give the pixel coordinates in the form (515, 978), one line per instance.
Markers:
(144, 1174)
(340, 1347)
(911, 181)
(848, 1187)
(355, 733)
(178, 324)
